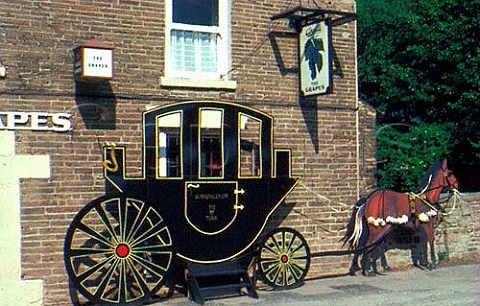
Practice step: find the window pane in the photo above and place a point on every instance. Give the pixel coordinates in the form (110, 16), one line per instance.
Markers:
(168, 152)
(208, 55)
(211, 159)
(197, 12)
(194, 51)
(183, 49)
(249, 147)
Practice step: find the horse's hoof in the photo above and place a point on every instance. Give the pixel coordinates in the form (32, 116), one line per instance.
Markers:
(353, 270)
(369, 273)
(387, 269)
(419, 266)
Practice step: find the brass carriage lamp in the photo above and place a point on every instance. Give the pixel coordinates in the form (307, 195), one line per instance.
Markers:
(93, 60)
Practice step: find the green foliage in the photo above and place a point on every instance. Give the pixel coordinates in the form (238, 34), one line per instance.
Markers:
(405, 152)
(443, 256)
(419, 61)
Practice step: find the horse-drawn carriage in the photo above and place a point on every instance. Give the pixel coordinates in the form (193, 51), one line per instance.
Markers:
(207, 191)
(200, 211)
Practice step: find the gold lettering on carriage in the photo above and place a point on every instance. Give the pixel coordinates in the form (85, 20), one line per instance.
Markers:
(211, 213)
(210, 206)
(211, 217)
(211, 196)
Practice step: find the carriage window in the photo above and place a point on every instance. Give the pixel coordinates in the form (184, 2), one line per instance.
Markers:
(168, 151)
(211, 155)
(250, 130)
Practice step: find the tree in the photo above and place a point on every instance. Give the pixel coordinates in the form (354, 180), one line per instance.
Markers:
(406, 151)
(419, 62)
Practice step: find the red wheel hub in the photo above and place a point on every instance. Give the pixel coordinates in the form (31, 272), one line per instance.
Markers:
(284, 258)
(122, 250)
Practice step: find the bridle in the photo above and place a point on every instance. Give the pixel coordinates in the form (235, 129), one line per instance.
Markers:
(447, 173)
(452, 191)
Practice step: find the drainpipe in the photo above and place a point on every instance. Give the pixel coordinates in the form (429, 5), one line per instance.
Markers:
(357, 108)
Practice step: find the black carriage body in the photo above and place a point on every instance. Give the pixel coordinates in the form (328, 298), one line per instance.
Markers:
(214, 210)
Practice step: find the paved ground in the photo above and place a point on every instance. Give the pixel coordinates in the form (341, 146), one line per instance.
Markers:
(448, 285)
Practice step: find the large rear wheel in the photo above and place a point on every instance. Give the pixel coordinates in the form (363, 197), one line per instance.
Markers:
(283, 259)
(118, 251)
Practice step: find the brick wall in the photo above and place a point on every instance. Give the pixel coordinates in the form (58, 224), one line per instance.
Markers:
(37, 38)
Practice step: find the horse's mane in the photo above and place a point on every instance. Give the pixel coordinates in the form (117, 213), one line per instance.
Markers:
(437, 165)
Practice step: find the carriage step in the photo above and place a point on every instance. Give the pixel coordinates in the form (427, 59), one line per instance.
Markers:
(218, 280)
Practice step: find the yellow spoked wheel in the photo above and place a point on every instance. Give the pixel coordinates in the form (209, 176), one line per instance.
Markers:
(283, 259)
(118, 251)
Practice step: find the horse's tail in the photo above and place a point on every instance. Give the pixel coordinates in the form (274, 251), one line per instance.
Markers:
(355, 225)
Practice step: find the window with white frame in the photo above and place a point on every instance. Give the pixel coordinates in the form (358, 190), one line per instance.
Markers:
(197, 39)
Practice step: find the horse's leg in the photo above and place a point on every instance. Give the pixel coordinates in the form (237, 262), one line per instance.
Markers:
(375, 246)
(383, 261)
(366, 260)
(416, 246)
(372, 256)
(360, 249)
(421, 242)
(373, 267)
(429, 235)
(354, 265)
(416, 253)
(433, 263)
(377, 253)
(360, 245)
(366, 263)
(380, 254)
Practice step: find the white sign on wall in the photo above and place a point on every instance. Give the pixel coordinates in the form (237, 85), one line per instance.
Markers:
(315, 58)
(93, 60)
(98, 63)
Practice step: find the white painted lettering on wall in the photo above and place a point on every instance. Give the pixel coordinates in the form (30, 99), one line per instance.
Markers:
(36, 121)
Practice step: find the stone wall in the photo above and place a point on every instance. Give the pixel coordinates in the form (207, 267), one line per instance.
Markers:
(458, 236)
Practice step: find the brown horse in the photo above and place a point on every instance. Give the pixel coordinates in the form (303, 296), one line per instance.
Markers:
(383, 210)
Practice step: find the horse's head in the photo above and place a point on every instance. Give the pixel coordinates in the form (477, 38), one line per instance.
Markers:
(449, 180)
(439, 177)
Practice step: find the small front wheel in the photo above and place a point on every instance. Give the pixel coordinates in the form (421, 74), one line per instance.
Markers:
(283, 259)
(118, 251)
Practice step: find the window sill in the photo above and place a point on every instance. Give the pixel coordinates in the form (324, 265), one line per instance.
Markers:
(200, 83)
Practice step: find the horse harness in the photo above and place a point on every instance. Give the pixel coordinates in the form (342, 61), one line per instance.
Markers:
(423, 216)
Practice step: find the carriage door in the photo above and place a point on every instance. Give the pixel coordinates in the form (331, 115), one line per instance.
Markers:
(211, 201)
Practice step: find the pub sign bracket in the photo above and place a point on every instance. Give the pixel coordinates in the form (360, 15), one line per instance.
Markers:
(301, 16)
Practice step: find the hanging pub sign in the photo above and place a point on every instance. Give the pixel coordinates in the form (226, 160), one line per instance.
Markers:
(315, 58)
(93, 60)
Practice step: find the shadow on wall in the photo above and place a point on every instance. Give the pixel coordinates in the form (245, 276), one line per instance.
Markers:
(277, 217)
(96, 104)
(308, 105)
(274, 38)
